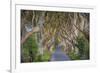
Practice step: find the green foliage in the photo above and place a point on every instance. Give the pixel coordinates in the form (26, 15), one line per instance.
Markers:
(38, 58)
(83, 49)
(74, 56)
(30, 52)
(46, 56)
(42, 58)
(83, 46)
(29, 49)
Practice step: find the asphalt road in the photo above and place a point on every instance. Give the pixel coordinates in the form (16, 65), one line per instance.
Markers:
(59, 55)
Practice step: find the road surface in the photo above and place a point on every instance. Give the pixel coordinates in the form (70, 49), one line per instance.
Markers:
(59, 55)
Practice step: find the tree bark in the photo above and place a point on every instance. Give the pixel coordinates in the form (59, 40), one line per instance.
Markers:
(35, 29)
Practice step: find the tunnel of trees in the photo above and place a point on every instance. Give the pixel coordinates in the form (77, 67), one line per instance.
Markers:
(42, 31)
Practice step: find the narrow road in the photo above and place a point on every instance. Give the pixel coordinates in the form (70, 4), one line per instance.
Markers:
(59, 55)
